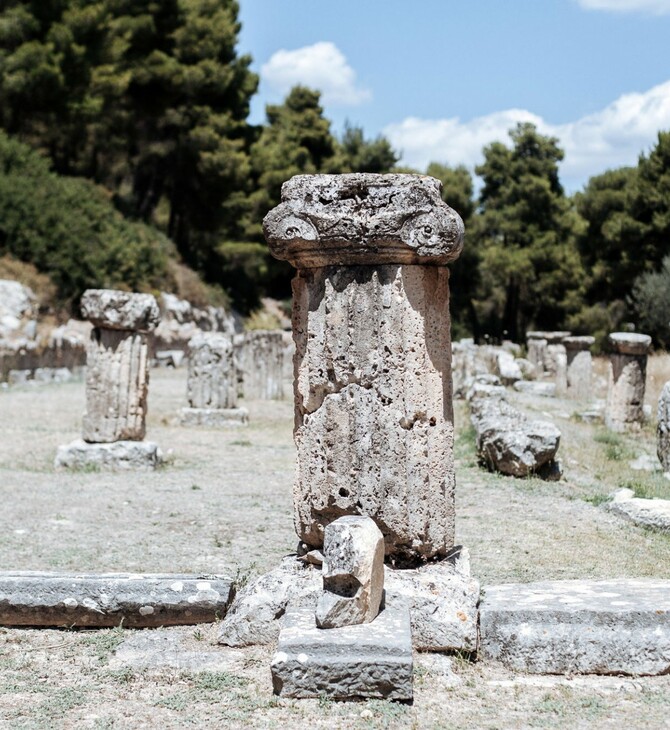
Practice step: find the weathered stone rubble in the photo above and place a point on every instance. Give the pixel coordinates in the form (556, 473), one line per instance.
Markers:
(374, 426)
(212, 383)
(627, 380)
(653, 513)
(509, 442)
(353, 573)
(663, 428)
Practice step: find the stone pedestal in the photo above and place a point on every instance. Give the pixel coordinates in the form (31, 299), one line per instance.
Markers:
(627, 378)
(663, 428)
(543, 348)
(117, 382)
(212, 383)
(373, 406)
(579, 367)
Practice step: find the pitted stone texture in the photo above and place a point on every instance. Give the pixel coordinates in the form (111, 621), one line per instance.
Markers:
(373, 411)
(509, 442)
(212, 376)
(442, 599)
(366, 661)
(116, 456)
(578, 627)
(353, 573)
(555, 363)
(663, 428)
(214, 417)
(654, 513)
(537, 353)
(120, 310)
(75, 599)
(627, 380)
(580, 367)
(117, 382)
(260, 357)
(363, 219)
(255, 615)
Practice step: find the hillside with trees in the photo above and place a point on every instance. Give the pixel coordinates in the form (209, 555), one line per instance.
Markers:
(127, 160)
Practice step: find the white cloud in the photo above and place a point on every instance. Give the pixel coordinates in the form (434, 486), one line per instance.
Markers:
(610, 138)
(321, 66)
(655, 7)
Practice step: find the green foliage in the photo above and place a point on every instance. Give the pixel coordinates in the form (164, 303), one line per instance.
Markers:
(361, 155)
(651, 302)
(68, 228)
(530, 266)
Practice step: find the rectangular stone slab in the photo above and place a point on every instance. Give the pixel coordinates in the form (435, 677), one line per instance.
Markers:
(578, 626)
(142, 600)
(371, 660)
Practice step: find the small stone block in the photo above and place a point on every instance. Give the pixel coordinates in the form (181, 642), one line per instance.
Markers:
(578, 626)
(366, 661)
(214, 417)
(115, 456)
(30, 598)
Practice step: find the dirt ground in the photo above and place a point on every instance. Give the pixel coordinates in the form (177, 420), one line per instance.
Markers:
(223, 505)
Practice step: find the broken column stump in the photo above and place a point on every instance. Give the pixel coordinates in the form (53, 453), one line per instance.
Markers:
(212, 383)
(117, 383)
(624, 410)
(579, 367)
(373, 407)
(663, 428)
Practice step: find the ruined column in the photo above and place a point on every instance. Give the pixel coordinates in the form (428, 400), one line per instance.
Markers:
(117, 382)
(663, 428)
(261, 357)
(212, 383)
(627, 378)
(579, 367)
(373, 403)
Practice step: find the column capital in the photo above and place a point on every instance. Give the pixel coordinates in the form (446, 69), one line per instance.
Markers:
(363, 219)
(629, 343)
(120, 310)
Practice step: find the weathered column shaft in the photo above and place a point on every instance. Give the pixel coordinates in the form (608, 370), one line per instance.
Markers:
(374, 425)
(663, 428)
(627, 380)
(262, 363)
(212, 376)
(373, 411)
(580, 367)
(117, 364)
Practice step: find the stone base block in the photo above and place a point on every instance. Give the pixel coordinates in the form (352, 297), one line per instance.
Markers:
(578, 626)
(116, 456)
(214, 417)
(70, 599)
(442, 598)
(371, 660)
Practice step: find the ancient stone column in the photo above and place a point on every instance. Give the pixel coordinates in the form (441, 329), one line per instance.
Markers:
(627, 379)
(580, 367)
(212, 383)
(537, 351)
(373, 405)
(663, 428)
(261, 358)
(117, 382)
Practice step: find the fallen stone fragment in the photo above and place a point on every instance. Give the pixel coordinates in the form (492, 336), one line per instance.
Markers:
(214, 417)
(509, 442)
(578, 626)
(115, 456)
(353, 573)
(507, 368)
(545, 390)
(366, 661)
(72, 599)
(645, 462)
(663, 428)
(653, 513)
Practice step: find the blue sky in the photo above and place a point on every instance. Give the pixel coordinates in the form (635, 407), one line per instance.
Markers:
(442, 78)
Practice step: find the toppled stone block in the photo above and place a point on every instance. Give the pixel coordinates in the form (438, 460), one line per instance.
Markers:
(511, 443)
(214, 417)
(115, 456)
(507, 368)
(578, 626)
(654, 513)
(120, 310)
(353, 573)
(371, 660)
(110, 599)
(536, 388)
(663, 428)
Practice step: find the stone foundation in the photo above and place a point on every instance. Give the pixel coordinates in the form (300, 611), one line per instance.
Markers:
(115, 456)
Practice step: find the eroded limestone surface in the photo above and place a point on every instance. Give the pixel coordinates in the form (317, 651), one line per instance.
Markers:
(373, 416)
(627, 379)
(579, 367)
(663, 429)
(120, 310)
(212, 376)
